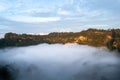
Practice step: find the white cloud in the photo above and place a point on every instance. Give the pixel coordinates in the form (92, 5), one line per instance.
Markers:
(61, 62)
(2, 7)
(29, 19)
(43, 33)
(63, 12)
(35, 10)
(99, 26)
(71, 1)
(65, 30)
(71, 13)
(3, 27)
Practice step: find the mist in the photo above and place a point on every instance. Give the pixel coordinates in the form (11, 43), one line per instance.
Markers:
(61, 62)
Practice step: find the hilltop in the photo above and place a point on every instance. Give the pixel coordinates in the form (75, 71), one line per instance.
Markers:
(92, 37)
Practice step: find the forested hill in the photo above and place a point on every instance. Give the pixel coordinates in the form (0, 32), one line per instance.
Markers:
(92, 37)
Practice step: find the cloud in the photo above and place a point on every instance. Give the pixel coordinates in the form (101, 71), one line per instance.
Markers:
(62, 29)
(111, 6)
(42, 33)
(3, 6)
(35, 11)
(61, 62)
(63, 12)
(30, 19)
(3, 27)
(42, 10)
(72, 14)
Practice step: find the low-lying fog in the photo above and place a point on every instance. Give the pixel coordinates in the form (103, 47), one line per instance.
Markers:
(62, 62)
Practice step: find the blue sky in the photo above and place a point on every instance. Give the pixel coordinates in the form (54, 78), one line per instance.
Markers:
(44, 16)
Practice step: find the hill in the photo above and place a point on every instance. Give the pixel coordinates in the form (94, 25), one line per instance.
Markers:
(92, 37)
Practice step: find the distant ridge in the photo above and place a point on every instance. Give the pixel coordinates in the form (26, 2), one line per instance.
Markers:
(93, 37)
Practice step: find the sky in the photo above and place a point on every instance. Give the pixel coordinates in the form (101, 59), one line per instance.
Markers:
(45, 16)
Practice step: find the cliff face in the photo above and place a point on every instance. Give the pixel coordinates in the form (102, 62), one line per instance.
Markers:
(92, 37)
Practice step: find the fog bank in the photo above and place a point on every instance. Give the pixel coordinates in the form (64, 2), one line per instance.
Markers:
(61, 62)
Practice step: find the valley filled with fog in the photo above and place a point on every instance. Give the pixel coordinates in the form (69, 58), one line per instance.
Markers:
(61, 62)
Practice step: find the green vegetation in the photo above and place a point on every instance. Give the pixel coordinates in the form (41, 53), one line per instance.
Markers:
(92, 37)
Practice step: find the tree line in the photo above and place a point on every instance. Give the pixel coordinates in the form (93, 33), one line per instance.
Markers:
(92, 37)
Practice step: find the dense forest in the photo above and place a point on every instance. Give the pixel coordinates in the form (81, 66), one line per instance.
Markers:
(92, 37)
